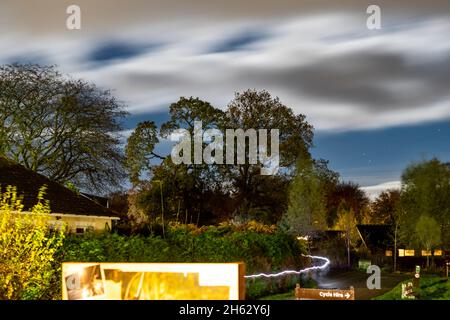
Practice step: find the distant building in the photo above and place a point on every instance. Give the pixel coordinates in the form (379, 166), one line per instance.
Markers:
(80, 212)
(375, 237)
(378, 240)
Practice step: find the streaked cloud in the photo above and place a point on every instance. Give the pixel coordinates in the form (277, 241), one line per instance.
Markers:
(374, 191)
(116, 51)
(318, 57)
(239, 42)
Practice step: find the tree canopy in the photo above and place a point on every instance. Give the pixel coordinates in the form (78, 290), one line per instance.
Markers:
(253, 109)
(385, 207)
(306, 213)
(347, 195)
(426, 192)
(209, 188)
(64, 128)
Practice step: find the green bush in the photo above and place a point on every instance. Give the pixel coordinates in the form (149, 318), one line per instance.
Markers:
(432, 287)
(262, 250)
(27, 249)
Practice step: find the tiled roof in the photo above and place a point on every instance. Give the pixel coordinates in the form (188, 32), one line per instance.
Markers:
(62, 200)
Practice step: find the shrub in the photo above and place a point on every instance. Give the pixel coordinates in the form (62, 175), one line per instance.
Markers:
(262, 248)
(27, 248)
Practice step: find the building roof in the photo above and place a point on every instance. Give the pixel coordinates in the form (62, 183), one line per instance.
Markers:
(375, 236)
(62, 200)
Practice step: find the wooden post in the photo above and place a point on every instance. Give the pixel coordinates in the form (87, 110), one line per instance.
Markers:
(416, 282)
(297, 291)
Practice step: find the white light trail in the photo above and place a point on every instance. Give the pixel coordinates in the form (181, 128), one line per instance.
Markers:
(283, 273)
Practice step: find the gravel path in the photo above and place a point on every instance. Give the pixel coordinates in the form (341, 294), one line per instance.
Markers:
(357, 279)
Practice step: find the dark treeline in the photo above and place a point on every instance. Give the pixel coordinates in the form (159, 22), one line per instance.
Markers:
(69, 130)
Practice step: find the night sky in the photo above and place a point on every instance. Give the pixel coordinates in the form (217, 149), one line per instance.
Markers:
(378, 99)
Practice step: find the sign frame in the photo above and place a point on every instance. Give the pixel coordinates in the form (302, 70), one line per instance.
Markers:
(324, 294)
(80, 276)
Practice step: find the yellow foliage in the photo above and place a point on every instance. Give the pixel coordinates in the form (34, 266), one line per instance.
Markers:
(27, 246)
(256, 226)
(251, 225)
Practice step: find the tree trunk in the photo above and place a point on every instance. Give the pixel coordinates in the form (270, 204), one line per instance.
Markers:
(395, 247)
(348, 252)
(162, 211)
(178, 211)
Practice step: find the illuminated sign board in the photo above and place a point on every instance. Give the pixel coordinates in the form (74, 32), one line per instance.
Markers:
(408, 291)
(364, 264)
(153, 281)
(324, 294)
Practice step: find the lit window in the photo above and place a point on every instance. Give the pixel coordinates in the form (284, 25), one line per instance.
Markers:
(388, 253)
(426, 253)
(401, 252)
(82, 228)
(409, 253)
(438, 252)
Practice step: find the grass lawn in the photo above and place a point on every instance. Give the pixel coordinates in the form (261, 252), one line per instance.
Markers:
(280, 296)
(431, 288)
(305, 283)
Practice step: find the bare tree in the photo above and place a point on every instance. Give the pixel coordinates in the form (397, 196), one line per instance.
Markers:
(63, 128)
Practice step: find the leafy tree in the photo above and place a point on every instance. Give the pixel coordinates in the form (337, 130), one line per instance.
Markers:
(426, 191)
(347, 223)
(269, 199)
(428, 233)
(181, 196)
(195, 181)
(186, 188)
(63, 128)
(387, 209)
(306, 211)
(186, 111)
(176, 184)
(136, 214)
(139, 150)
(27, 248)
(118, 202)
(349, 196)
(328, 177)
(385, 206)
(203, 188)
(253, 109)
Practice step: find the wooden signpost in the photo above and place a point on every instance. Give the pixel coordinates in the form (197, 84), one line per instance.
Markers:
(324, 294)
(408, 291)
(411, 289)
(416, 280)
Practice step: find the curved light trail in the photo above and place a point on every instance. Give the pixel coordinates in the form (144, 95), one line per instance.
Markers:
(286, 272)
